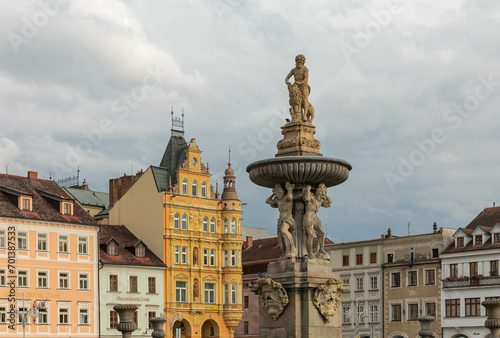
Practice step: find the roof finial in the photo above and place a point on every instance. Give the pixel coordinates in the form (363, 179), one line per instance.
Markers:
(229, 163)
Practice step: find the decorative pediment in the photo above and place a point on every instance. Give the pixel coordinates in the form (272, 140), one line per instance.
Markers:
(478, 231)
(181, 276)
(460, 233)
(209, 278)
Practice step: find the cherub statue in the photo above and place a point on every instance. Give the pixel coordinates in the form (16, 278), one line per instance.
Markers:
(311, 222)
(299, 92)
(286, 223)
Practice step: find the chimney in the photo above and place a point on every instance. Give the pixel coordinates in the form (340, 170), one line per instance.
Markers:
(32, 175)
(248, 242)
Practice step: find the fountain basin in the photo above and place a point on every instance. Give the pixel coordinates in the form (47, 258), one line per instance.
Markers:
(310, 170)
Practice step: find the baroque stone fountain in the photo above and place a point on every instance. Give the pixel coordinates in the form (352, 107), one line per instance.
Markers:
(302, 296)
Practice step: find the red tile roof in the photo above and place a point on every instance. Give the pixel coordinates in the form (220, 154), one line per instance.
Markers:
(126, 247)
(45, 206)
(488, 218)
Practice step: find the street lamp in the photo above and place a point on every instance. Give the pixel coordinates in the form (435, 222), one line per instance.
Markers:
(33, 312)
(171, 320)
(358, 319)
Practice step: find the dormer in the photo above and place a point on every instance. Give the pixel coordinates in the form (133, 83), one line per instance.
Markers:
(140, 250)
(63, 204)
(495, 234)
(462, 238)
(480, 236)
(22, 200)
(25, 203)
(112, 247)
(66, 208)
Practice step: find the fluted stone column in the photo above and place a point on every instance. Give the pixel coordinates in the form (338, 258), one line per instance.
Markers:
(493, 322)
(126, 325)
(425, 326)
(158, 327)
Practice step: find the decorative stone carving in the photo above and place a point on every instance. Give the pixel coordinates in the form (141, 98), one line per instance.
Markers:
(272, 296)
(425, 326)
(286, 223)
(300, 108)
(492, 306)
(328, 297)
(126, 325)
(311, 222)
(158, 327)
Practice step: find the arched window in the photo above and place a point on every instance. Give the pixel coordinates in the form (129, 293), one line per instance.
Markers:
(184, 187)
(205, 224)
(212, 225)
(233, 226)
(176, 221)
(184, 222)
(203, 189)
(194, 188)
(225, 226)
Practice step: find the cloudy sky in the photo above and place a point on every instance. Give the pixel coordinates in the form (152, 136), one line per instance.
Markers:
(407, 92)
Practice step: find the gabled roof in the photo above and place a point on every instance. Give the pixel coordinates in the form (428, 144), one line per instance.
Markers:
(44, 193)
(126, 247)
(488, 218)
(89, 197)
(462, 231)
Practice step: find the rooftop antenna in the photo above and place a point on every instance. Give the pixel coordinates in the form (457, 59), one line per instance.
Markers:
(408, 228)
(6, 169)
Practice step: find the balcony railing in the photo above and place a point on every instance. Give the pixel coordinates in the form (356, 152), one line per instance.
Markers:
(471, 281)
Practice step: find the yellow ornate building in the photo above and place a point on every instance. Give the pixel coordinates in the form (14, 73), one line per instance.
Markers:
(175, 210)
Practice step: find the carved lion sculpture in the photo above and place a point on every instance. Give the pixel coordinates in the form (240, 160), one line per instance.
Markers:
(272, 296)
(327, 298)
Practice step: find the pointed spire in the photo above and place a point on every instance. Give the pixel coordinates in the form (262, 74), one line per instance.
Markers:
(229, 162)
(216, 189)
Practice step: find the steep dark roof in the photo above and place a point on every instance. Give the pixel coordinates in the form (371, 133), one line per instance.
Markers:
(126, 247)
(175, 154)
(46, 196)
(160, 176)
(488, 218)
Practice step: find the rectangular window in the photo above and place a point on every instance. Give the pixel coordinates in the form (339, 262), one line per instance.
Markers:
(22, 241)
(151, 284)
(42, 281)
(177, 260)
(113, 319)
(359, 259)
(233, 257)
(212, 257)
(84, 317)
(113, 283)
(133, 284)
(430, 277)
(453, 270)
(345, 260)
(395, 280)
(226, 293)
(63, 316)
(373, 313)
(346, 315)
(390, 258)
(430, 309)
(43, 317)
(41, 242)
(233, 293)
(205, 257)
(22, 278)
(361, 309)
(460, 242)
(63, 243)
(225, 258)
(210, 293)
(412, 311)
(181, 292)
(184, 255)
(395, 312)
(67, 208)
(473, 269)
(63, 280)
(82, 245)
(21, 311)
(496, 237)
(373, 257)
(373, 283)
(212, 225)
(359, 283)
(493, 268)
(3, 277)
(346, 280)
(151, 314)
(245, 327)
(412, 278)
(26, 204)
(83, 281)
(245, 302)
(472, 307)
(2, 239)
(435, 253)
(478, 240)
(452, 307)
(3, 315)
(134, 319)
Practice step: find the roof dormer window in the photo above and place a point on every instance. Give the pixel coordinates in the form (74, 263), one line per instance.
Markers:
(460, 242)
(112, 249)
(140, 251)
(478, 240)
(496, 237)
(67, 208)
(26, 204)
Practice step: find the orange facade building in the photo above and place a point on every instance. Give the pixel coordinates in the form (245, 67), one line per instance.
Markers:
(48, 261)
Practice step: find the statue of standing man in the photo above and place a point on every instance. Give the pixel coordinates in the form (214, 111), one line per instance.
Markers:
(286, 223)
(301, 109)
(311, 222)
